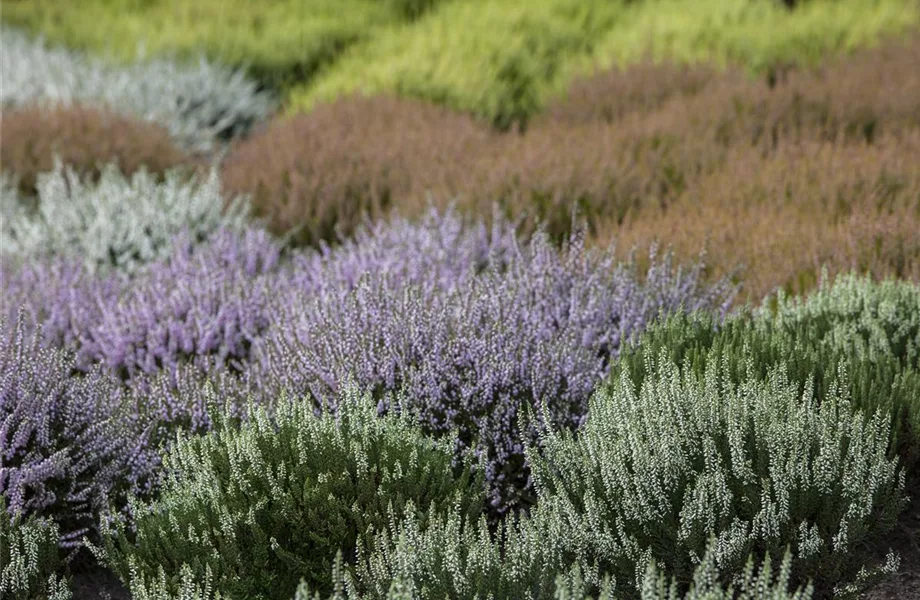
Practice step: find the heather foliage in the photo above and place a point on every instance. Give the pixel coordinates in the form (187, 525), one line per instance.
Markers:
(85, 139)
(459, 559)
(256, 508)
(69, 444)
(661, 467)
(852, 323)
(29, 561)
(508, 59)
(538, 325)
(872, 321)
(321, 173)
(202, 308)
(199, 103)
(117, 223)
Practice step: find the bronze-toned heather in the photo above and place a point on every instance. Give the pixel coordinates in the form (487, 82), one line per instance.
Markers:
(652, 152)
(327, 169)
(783, 216)
(610, 95)
(85, 138)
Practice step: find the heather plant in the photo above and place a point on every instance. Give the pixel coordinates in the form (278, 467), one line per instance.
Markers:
(739, 343)
(320, 174)
(205, 306)
(508, 59)
(199, 103)
(871, 320)
(255, 508)
(660, 467)
(541, 325)
(117, 223)
(69, 446)
(29, 560)
(84, 138)
(457, 558)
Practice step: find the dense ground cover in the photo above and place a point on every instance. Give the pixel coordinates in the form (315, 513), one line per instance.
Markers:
(382, 349)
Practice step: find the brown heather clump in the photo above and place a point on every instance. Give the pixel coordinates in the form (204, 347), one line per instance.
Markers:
(325, 170)
(85, 138)
(784, 216)
(608, 96)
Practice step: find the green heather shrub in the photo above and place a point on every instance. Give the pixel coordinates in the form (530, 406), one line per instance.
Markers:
(872, 330)
(757, 34)
(115, 223)
(870, 320)
(29, 559)
(255, 509)
(753, 584)
(661, 466)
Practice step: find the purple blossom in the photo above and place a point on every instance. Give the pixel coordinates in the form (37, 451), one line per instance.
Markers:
(541, 326)
(67, 443)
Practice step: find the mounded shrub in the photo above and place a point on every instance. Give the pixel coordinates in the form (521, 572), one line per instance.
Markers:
(256, 508)
(869, 329)
(320, 174)
(70, 444)
(117, 223)
(662, 466)
(541, 325)
(86, 139)
(29, 559)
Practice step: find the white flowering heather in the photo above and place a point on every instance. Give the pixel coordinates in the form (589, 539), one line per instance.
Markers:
(454, 558)
(261, 505)
(29, 560)
(199, 102)
(117, 223)
(870, 320)
(658, 470)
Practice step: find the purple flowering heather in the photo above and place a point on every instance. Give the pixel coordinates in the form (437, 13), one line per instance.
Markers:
(541, 326)
(67, 443)
(204, 305)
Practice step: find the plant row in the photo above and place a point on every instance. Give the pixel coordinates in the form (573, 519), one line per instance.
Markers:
(498, 59)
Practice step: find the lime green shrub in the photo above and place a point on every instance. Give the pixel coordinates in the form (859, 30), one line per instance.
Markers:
(758, 34)
(29, 559)
(495, 58)
(257, 508)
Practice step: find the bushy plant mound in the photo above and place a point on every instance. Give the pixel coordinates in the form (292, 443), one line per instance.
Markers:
(259, 507)
(199, 103)
(659, 468)
(870, 330)
(540, 325)
(70, 446)
(115, 223)
(86, 139)
(29, 560)
(320, 174)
